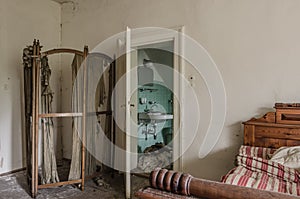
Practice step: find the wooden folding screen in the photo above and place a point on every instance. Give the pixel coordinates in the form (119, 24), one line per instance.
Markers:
(32, 68)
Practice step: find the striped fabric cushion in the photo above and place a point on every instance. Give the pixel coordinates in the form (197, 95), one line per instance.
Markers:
(242, 176)
(269, 167)
(256, 171)
(259, 152)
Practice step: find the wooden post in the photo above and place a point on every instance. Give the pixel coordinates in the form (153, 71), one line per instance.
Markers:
(32, 123)
(85, 53)
(37, 119)
(34, 118)
(249, 134)
(113, 67)
(185, 184)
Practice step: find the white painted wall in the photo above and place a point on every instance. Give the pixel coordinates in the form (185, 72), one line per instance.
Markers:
(20, 22)
(255, 44)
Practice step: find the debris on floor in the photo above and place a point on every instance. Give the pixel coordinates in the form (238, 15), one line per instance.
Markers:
(101, 183)
(154, 156)
(15, 186)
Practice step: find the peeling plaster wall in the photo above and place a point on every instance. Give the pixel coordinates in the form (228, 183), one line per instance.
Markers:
(20, 22)
(255, 44)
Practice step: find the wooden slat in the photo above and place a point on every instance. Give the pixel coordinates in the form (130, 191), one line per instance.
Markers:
(60, 115)
(36, 121)
(292, 113)
(114, 111)
(32, 137)
(249, 133)
(270, 142)
(44, 186)
(85, 54)
(278, 133)
(292, 143)
(62, 50)
(287, 106)
(74, 114)
(272, 124)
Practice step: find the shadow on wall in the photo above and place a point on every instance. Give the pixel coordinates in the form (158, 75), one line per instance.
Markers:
(22, 119)
(213, 166)
(218, 163)
(262, 110)
(18, 157)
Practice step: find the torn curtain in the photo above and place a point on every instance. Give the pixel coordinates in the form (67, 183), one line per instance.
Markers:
(49, 168)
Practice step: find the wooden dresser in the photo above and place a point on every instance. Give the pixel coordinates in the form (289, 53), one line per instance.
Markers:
(275, 129)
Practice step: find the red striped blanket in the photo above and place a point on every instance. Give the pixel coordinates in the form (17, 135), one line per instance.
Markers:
(256, 171)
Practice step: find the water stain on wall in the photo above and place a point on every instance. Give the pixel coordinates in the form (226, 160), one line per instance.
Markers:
(1, 162)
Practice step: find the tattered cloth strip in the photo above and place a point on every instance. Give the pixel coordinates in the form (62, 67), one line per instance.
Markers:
(49, 168)
(75, 169)
(27, 62)
(95, 70)
(97, 101)
(77, 105)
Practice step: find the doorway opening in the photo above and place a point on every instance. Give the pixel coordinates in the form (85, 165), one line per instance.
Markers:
(155, 104)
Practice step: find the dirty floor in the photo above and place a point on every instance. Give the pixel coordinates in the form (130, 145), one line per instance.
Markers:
(15, 186)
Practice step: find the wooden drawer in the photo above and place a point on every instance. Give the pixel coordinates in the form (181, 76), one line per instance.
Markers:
(277, 133)
(273, 136)
(288, 116)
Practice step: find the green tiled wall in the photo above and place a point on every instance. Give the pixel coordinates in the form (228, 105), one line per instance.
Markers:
(163, 97)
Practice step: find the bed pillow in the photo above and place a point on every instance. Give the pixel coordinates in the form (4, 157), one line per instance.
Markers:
(287, 156)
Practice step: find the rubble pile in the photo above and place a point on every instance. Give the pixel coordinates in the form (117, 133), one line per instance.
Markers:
(154, 156)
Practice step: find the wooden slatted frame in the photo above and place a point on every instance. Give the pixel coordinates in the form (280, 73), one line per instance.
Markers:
(36, 117)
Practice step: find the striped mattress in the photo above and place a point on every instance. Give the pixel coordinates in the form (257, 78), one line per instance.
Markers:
(255, 170)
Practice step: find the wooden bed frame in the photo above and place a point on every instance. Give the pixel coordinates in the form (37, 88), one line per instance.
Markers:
(271, 131)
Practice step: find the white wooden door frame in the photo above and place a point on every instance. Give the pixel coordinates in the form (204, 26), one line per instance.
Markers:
(141, 37)
(127, 118)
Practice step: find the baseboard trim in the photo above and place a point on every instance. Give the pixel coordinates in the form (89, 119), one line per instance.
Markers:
(13, 171)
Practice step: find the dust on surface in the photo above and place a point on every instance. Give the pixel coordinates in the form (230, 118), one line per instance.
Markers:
(15, 186)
